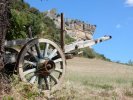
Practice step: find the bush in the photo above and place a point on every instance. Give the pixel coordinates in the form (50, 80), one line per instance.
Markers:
(90, 53)
(130, 63)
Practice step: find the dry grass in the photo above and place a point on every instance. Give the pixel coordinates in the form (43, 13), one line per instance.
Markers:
(97, 80)
(23, 91)
(86, 79)
(5, 86)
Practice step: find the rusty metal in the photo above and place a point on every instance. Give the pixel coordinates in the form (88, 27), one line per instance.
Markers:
(45, 68)
(62, 32)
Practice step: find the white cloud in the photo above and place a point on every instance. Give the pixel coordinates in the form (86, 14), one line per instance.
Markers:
(129, 3)
(118, 26)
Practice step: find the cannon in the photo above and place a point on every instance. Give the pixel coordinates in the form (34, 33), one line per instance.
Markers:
(41, 61)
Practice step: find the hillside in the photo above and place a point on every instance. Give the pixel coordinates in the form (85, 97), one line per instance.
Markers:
(98, 66)
(92, 79)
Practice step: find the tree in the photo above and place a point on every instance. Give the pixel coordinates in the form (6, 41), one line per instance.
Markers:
(4, 23)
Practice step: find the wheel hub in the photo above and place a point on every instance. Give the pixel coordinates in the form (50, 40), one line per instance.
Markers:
(46, 68)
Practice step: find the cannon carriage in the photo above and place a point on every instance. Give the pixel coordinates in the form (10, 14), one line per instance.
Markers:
(41, 61)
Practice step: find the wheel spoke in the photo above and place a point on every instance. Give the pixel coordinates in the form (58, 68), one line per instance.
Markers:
(32, 54)
(54, 78)
(47, 82)
(29, 71)
(37, 46)
(40, 83)
(57, 60)
(33, 79)
(52, 54)
(46, 50)
(59, 70)
(29, 62)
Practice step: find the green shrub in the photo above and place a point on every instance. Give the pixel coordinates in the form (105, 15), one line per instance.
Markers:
(8, 98)
(90, 53)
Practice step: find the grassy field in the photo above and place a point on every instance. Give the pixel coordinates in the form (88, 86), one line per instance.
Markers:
(86, 79)
(92, 79)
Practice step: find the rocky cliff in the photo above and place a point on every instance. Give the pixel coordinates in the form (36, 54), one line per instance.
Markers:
(74, 28)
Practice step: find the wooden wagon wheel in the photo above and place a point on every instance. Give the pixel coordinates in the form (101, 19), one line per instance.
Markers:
(10, 55)
(10, 60)
(42, 62)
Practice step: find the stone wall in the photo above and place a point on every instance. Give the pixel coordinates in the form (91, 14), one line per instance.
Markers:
(74, 28)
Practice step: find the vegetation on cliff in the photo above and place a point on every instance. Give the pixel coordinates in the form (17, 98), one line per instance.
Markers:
(24, 17)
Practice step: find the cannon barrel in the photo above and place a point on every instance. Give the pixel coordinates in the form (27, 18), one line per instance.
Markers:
(104, 38)
(85, 43)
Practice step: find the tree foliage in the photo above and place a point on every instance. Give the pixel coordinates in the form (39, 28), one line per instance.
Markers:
(24, 16)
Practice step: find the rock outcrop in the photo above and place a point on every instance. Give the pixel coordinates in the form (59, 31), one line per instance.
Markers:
(76, 29)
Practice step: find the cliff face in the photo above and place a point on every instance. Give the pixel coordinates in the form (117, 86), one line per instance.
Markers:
(76, 29)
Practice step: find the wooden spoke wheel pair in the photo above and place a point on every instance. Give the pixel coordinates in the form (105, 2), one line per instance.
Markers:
(41, 62)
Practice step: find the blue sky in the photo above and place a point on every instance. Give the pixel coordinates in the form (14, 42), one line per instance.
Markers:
(112, 17)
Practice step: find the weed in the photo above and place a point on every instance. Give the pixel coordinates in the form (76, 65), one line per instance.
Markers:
(129, 92)
(8, 98)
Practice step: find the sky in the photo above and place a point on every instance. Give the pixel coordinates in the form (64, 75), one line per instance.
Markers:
(112, 17)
